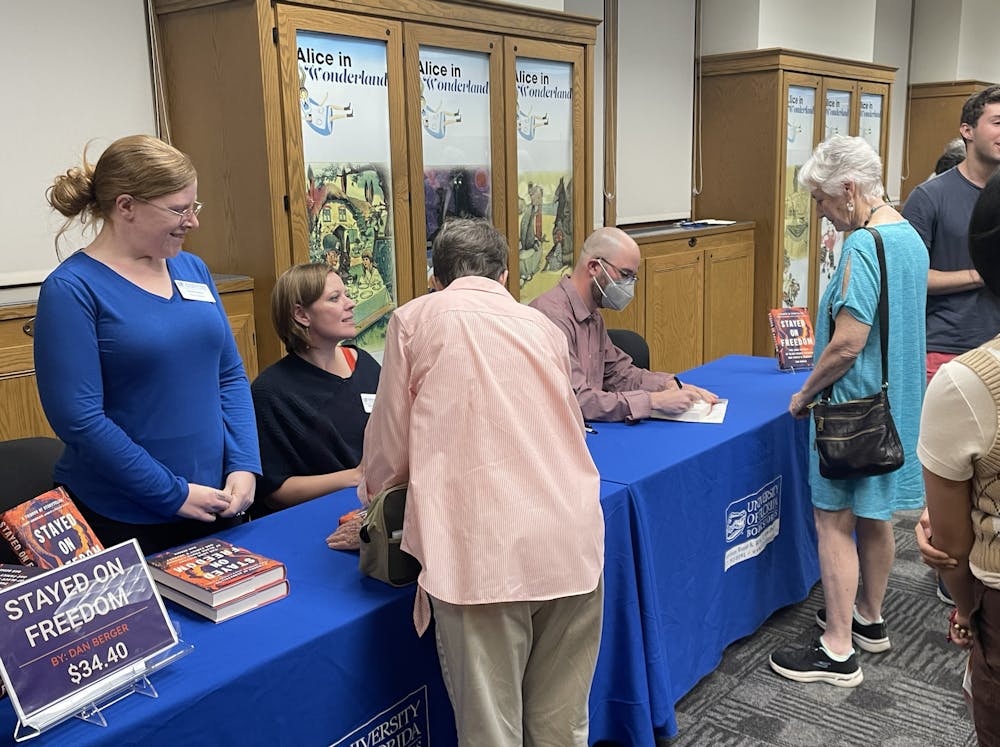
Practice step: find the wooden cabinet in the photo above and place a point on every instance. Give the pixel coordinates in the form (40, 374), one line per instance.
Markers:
(21, 414)
(324, 130)
(695, 294)
(763, 112)
(935, 112)
(675, 310)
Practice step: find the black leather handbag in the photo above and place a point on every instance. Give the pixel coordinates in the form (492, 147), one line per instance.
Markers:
(858, 438)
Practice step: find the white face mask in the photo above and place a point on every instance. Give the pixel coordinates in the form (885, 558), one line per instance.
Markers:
(617, 294)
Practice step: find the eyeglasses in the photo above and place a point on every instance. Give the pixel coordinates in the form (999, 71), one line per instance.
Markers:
(188, 214)
(626, 276)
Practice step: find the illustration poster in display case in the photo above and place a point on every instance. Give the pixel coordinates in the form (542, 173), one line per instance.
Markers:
(455, 122)
(344, 109)
(544, 121)
(800, 116)
(871, 120)
(831, 241)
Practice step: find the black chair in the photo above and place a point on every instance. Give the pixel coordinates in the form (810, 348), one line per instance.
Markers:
(26, 466)
(632, 344)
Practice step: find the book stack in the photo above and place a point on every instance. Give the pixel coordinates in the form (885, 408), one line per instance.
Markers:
(48, 531)
(792, 332)
(216, 579)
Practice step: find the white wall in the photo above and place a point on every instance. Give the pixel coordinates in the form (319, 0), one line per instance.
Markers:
(892, 47)
(979, 25)
(655, 88)
(840, 28)
(70, 74)
(595, 9)
(729, 26)
(936, 35)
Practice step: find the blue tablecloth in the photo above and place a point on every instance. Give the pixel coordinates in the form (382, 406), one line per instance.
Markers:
(688, 484)
(341, 650)
(306, 670)
(320, 664)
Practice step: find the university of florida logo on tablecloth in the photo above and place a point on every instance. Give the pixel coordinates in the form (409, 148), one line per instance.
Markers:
(752, 522)
(403, 724)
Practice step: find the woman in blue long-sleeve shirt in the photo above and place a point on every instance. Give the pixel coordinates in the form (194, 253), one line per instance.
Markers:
(138, 371)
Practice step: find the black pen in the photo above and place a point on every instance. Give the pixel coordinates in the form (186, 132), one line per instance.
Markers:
(678, 383)
(589, 429)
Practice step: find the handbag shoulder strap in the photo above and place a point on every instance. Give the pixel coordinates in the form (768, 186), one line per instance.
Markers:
(883, 314)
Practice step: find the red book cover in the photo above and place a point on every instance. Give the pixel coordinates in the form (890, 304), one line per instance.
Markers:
(214, 571)
(48, 531)
(792, 332)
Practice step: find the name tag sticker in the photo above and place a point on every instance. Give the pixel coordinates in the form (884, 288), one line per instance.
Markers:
(368, 402)
(192, 291)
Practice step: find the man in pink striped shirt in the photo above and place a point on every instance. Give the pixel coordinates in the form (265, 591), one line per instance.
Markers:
(474, 393)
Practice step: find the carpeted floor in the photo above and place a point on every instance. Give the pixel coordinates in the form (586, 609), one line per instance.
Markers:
(911, 695)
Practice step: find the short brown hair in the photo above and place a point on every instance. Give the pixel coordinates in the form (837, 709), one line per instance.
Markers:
(300, 285)
(976, 104)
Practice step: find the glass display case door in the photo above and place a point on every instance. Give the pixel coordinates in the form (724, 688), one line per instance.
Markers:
(873, 114)
(839, 117)
(456, 141)
(546, 176)
(346, 156)
(801, 123)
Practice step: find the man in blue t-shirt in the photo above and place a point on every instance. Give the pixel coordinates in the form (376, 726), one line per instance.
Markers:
(961, 313)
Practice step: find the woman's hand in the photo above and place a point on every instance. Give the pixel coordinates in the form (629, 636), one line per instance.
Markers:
(798, 406)
(351, 477)
(240, 487)
(204, 503)
(939, 561)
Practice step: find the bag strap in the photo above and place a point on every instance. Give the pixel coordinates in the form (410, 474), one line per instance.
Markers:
(883, 314)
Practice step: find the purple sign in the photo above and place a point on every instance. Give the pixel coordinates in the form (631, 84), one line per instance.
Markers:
(77, 625)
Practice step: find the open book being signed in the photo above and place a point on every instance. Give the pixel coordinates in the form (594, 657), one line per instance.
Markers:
(700, 412)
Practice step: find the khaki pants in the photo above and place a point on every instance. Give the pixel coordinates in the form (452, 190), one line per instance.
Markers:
(519, 673)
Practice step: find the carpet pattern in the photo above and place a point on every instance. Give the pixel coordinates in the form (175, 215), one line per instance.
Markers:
(911, 695)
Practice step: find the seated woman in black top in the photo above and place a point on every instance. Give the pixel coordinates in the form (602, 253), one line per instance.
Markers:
(312, 405)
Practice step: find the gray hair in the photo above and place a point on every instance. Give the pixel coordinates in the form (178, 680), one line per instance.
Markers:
(840, 159)
(469, 247)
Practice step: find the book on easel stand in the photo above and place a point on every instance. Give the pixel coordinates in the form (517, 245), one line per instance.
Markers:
(48, 531)
(794, 341)
(103, 630)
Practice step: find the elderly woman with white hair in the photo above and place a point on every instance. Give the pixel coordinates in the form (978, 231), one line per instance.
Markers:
(844, 176)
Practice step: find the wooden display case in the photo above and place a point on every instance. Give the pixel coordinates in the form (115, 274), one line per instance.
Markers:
(21, 415)
(694, 297)
(232, 86)
(935, 113)
(763, 112)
